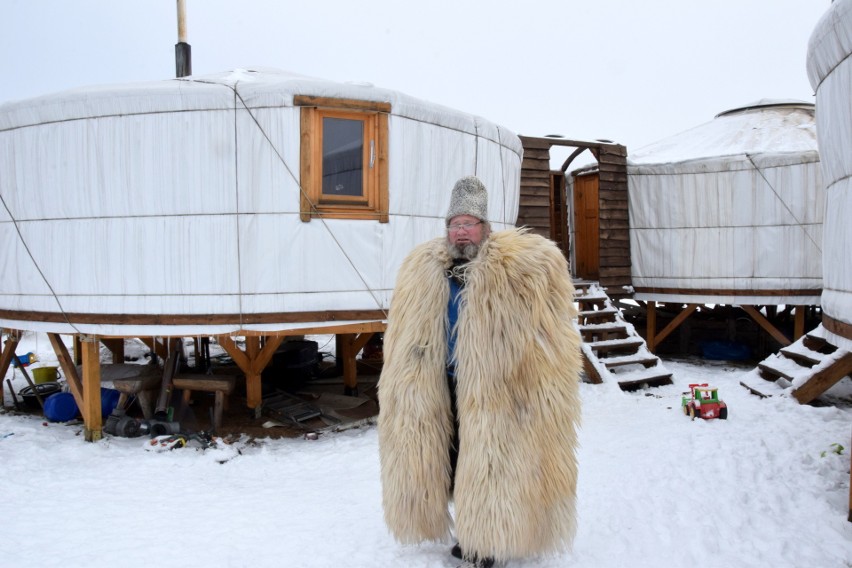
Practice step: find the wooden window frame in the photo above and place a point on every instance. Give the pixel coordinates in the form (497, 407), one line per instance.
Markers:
(373, 205)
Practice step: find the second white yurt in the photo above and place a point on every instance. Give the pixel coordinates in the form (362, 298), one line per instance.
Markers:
(731, 211)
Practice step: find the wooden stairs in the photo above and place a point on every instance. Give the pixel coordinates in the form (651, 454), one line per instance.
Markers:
(612, 350)
(807, 368)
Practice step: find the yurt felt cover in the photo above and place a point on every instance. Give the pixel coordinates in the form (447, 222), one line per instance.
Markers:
(182, 197)
(830, 72)
(730, 211)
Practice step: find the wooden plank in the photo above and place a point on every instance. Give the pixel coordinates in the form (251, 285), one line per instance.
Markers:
(726, 292)
(673, 325)
(799, 323)
(196, 319)
(824, 379)
(766, 325)
(349, 104)
(265, 356)
(69, 369)
(837, 326)
(9, 347)
(116, 347)
(254, 388)
(91, 409)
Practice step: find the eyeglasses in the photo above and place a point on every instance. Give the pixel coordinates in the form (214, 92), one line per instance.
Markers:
(465, 226)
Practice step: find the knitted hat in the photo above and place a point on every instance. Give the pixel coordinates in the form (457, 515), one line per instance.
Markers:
(469, 198)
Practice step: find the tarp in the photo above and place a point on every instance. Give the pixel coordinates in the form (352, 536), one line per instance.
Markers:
(182, 197)
(730, 211)
(830, 72)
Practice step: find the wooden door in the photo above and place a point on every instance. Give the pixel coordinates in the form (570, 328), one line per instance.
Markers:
(586, 226)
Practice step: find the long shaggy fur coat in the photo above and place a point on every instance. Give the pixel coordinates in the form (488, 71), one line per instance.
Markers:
(517, 370)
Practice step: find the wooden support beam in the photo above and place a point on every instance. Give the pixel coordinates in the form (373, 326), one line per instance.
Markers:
(350, 345)
(673, 325)
(799, 322)
(157, 346)
(6, 358)
(766, 325)
(254, 391)
(651, 325)
(823, 379)
(66, 363)
(116, 347)
(91, 409)
(252, 362)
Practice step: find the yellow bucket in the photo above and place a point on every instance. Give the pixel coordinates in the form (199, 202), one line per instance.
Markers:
(44, 375)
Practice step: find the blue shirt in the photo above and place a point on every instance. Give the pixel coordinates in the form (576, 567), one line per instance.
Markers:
(452, 319)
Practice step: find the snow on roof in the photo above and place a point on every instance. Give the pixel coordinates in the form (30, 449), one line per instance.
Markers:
(764, 127)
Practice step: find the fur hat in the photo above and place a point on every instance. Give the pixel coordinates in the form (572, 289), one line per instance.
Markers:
(469, 198)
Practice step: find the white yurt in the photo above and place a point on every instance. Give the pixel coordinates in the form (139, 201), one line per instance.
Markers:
(253, 203)
(179, 207)
(731, 211)
(830, 73)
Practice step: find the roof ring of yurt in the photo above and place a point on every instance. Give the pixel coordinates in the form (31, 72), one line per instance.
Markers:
(253, 204)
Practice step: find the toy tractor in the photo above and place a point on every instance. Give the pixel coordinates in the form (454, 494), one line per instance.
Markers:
(703, 402)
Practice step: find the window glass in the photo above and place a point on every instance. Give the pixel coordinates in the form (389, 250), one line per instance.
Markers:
(342, 157)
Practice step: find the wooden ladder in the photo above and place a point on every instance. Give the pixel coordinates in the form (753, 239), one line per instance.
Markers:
(612, 350)
(809, 367)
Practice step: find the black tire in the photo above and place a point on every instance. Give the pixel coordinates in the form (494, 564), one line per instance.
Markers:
(723, 413)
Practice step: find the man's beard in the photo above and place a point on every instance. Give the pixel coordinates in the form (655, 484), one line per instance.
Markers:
(467, 251)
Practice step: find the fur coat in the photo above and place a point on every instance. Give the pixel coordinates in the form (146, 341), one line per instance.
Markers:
(517, 370)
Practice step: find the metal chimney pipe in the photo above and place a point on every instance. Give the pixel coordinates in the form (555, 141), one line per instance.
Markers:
(183, 51)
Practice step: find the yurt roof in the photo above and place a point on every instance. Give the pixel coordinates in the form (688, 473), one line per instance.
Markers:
(258, 87)
(767, 126)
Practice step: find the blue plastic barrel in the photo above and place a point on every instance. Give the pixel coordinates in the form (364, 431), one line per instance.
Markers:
(60, 407)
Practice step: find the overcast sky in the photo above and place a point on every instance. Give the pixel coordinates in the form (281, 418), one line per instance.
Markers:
(633, 71)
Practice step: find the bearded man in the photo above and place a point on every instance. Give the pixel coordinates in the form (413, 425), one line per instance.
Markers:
(479, 394)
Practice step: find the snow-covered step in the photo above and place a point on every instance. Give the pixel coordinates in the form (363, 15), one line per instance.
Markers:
(640, 379)
(605, 314)
(601, 332)
(611, 346)
(647, 361)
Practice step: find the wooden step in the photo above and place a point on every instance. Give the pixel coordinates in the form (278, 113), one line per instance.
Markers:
(603, 332)
(818, 344)
(605, 314)
(804, 357)
(646, 361)
(771, 373)
(651, 378)
(625, 346)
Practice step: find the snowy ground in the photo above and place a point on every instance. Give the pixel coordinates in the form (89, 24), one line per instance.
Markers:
(762, 488)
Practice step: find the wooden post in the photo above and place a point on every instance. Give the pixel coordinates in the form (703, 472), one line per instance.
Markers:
(252, 362)
(91, 409)
(351, 344)
(6, 358)
(651, 326)
(116, 347)
(66, 362)
(799, 322)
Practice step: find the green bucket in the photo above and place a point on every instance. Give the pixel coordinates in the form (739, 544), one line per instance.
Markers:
(44, 375)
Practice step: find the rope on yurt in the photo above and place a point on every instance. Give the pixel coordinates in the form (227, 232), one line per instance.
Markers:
(502, 170)
(237, 206)
(37, 267)
(307, 198)
(790, 211)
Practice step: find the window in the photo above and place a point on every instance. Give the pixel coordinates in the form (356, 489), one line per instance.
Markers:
(344, 164)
